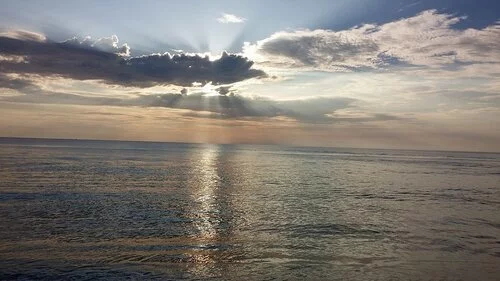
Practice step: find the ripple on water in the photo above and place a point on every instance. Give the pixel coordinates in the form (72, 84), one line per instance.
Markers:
(114, 211)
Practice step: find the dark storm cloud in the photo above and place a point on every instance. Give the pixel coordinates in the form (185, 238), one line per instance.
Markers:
(104, 60)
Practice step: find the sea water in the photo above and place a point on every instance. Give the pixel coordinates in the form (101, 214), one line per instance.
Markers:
(72, 209)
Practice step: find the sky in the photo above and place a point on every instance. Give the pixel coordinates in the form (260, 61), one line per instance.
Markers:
(358, 73)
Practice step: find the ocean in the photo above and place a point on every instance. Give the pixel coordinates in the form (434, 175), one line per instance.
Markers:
(111, 210)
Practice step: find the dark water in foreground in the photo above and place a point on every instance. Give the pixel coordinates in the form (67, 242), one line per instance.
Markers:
(131, 210)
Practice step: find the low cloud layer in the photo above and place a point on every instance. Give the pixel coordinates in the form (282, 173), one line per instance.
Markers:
(427, 39)
(236, 106)
(104, 59)
(232, 106)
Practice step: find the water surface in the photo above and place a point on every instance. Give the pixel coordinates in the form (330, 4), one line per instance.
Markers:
(134, 210)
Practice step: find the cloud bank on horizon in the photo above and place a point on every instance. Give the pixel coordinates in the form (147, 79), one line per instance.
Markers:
(410, 71)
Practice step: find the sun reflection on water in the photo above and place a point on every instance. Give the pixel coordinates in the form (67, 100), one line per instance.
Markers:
(204, 194)
(204, 184)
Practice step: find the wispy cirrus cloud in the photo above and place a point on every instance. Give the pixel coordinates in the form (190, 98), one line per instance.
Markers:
(230, 18)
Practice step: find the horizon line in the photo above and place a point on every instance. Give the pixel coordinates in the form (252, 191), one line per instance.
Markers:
(254, 144)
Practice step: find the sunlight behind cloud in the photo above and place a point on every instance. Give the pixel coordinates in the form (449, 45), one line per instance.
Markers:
(405, 70)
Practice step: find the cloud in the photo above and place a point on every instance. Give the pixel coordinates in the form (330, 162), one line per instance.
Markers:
(103, 59)
(24, 35)
(7, 82)
(427, 39)
(237, 106)
(224, 90)
(106, 44)
(225, 106)
(230, 18)
(321, 49)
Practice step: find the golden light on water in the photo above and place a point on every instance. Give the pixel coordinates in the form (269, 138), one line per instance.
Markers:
(205, 182)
